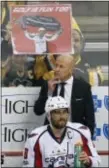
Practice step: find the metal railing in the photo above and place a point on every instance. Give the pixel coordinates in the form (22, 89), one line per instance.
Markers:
(96, 46)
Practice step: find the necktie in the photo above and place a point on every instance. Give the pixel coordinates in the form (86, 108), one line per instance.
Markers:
(62, 91)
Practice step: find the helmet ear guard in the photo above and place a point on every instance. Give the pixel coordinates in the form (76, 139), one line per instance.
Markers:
(53, 103)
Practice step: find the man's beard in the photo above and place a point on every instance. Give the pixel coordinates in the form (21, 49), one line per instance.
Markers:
(59, 125)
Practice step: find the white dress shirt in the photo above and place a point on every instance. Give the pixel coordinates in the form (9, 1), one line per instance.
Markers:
(68, 89)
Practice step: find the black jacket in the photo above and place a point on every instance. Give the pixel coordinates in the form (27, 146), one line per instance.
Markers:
(82, 108)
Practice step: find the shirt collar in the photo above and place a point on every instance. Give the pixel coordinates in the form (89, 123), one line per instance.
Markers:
(70, 80)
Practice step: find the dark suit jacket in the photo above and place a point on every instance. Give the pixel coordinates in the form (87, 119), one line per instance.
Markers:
(82, 108)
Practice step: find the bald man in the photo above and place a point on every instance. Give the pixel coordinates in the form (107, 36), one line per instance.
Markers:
(76, 92)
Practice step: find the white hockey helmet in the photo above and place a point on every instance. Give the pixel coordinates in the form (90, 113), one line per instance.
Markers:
(56, 102)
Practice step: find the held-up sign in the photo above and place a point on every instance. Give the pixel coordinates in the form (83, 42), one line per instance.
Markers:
(41, 29)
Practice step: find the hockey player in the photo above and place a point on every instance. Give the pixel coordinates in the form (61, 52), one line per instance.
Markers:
(41, 38)
(52, 146)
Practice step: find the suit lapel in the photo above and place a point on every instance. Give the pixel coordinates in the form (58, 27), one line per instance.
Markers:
(73, 89)
(72, 99)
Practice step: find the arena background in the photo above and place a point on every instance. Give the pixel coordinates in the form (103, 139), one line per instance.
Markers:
(17, 103)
